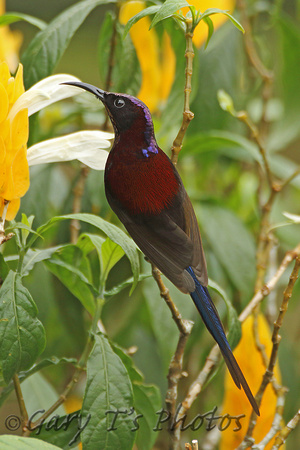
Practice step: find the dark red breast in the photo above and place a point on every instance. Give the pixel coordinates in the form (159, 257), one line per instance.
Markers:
(142, 184)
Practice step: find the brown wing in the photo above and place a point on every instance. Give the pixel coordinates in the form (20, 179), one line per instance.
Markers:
(171, 240)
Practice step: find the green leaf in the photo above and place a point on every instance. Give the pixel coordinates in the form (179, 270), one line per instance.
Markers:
(34, 256)
(22, 336)
(22, 226)
(25, 233)
(210, 25)
(11, 17)
(211, 11)
(7, 442)
(112, 231)
(147, 400)
(36, 368)
(72, 268)
(134, 374)
(48, 46)
(108, 389)
(230, 144)
(167, 10)
(145, 12)
(226, 102)
(111, 253)
(63, 430)
(234, 325)
(39, 395)
(4, 269)
(126, 76)
(116, 289)
(231, 243)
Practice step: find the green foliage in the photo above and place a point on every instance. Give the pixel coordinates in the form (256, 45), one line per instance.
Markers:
(7, 19)
(108, 392)
(48, 46)
(95, 280)
(19, 443)
(72, 268)
(22, 335)
(126, 75)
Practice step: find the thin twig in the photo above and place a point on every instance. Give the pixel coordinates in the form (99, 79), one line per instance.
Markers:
(81, 366)
(175, 368)
(195, 444)
(276, 424)
(3, 237)
(78, 193)
(285, 432)
(290, 179)
(251, 52)
(214, 355)
(276, 338)
(211, 362)
(269, 286)
(111, 58)
(182, 325)
(187, 114)
(20, 398)
(244, 117)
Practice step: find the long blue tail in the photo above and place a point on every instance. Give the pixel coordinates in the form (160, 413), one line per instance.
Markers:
(213, 323)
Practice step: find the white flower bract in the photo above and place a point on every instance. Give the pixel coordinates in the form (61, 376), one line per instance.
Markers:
(86, 146)
(44, 93)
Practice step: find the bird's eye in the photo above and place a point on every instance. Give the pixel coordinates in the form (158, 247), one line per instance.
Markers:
(119, 103)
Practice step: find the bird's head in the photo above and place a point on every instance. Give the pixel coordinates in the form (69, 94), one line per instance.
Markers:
(124, 110)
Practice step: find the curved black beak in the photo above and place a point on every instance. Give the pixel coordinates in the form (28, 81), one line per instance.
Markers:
(99, 93)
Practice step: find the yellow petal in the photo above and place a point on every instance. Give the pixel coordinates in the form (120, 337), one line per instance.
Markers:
(5, 131)
(7, 190)
(2, 7)
(72, 404)
(147, 49)
(2, 160)
(4, 73)
(3, 102)
(19, 129)
(168, 67)
(12, 209)
(235, 401)
(20, 173)
(201, 30)
(18, 83)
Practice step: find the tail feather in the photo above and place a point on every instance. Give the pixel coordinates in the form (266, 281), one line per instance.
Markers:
(212, 321)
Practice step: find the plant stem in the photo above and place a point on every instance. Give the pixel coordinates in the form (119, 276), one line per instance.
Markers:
(283, 435)
(214, 355)
(20, 398)
(3, 237)
(187, 114)
(276, 338)
(78, 193)
(111, 58)
(80, 368)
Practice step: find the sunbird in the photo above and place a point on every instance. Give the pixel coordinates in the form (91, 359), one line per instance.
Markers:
(144, 189)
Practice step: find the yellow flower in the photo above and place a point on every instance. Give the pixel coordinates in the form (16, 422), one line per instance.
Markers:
(158, 62)
(14, 180)
(88, 147)
(201, 31)
(235, 403)
(158, 68)
(10, 42)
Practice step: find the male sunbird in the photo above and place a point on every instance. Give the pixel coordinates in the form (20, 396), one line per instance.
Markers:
(146, 192)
